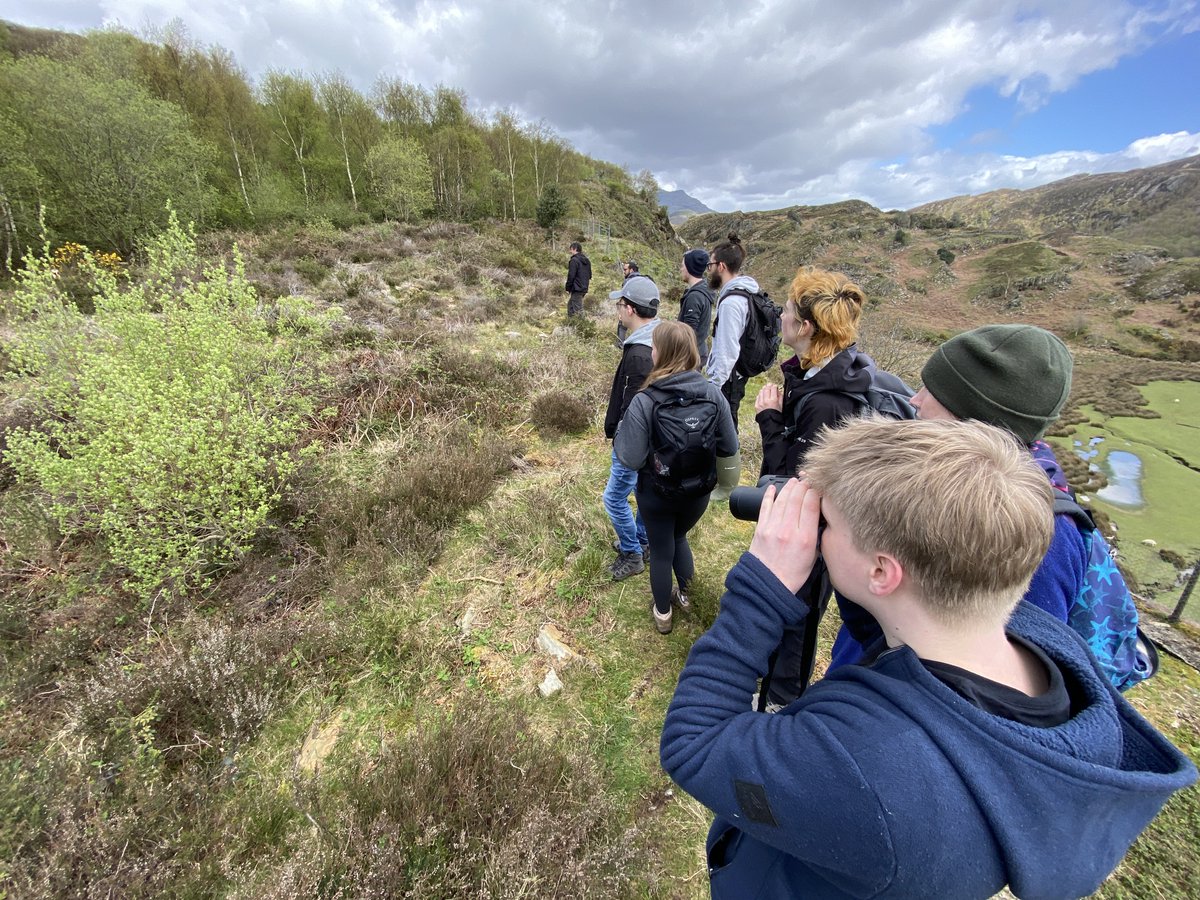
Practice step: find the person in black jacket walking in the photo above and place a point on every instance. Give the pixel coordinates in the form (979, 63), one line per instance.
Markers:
(696, 304)
(637, 310)
(579, 276)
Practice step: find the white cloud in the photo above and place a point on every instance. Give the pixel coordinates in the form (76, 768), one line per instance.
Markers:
(743, 104)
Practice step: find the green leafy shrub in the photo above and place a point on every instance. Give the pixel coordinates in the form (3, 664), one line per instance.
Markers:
(169, 415)
(311, 270)
(558, 412)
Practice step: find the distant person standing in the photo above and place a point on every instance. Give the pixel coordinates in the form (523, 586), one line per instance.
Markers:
(579, 276)
(696, 304)
(629, 268)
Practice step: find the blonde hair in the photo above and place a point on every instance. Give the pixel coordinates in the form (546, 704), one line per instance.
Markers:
(961, 506)
(833, 303)
(676, 346)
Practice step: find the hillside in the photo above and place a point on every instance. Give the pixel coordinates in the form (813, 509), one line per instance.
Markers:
(937, 273)
(1158, 206)
(355, 700)
(1130, 313)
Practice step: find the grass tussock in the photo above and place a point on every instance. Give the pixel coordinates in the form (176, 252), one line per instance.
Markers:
(475, 804)
(558, 413)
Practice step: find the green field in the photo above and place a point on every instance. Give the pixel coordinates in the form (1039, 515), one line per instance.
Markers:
(1170, 483)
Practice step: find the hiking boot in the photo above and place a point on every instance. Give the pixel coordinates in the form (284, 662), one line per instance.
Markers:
(627, 564)
(680, 599)
(616, 545)
(661, 622)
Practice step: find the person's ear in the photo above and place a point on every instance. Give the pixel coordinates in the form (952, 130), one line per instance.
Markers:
(885, 576)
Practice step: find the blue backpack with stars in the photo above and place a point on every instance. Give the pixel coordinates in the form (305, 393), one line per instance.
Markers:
(1104, 614)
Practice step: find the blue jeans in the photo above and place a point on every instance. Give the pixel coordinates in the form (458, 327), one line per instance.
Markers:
(631, 532)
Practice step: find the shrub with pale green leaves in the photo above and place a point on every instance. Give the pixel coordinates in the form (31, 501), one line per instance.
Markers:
(169, 417)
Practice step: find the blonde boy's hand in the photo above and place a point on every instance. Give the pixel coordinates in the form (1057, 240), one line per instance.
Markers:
(785, 540)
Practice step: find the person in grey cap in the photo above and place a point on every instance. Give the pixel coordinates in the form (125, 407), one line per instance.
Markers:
(637, 310)
(1018, 377)
(696, 304)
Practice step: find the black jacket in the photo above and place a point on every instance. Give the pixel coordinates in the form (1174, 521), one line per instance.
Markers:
(634, 367)
(579, 274)
(695, 309)
(785, 438)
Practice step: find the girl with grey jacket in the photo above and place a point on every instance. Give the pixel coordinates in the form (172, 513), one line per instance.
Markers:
(676, 364)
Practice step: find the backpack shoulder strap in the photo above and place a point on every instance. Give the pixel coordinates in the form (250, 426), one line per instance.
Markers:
(1065, 505)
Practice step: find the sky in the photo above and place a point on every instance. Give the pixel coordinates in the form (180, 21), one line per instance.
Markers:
(757, 104)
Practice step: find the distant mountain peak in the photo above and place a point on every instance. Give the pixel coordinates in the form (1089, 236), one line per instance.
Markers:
(681, 205)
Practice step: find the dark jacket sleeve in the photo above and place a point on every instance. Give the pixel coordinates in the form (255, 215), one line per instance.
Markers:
(824, 408)
(690, 310)
(572, 272)
(635, 366)
(727, 436)
(774, 445)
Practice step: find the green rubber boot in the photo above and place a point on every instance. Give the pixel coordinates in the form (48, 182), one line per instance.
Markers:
(729, 470)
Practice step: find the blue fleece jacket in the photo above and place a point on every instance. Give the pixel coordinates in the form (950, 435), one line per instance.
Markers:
(881, 781)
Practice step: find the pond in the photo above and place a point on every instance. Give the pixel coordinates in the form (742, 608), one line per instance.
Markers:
(1123, 470)
(1153, 492)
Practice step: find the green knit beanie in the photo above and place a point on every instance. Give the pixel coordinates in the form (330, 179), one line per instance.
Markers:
(1014, 376)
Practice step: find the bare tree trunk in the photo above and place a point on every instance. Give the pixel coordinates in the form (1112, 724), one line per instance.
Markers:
(297, 148)
(237, 162)
(511, 158)
(9, 229)
(346, 157)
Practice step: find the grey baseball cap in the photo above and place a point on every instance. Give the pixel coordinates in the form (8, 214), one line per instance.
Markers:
(640, 290)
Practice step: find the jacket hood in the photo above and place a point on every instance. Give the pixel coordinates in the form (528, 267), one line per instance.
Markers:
(685, 384)
(1043, 455)
(850, 370)
(1045, 789)
(642, 335)
(740, 281)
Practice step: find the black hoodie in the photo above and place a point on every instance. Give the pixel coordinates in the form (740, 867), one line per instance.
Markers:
(579, 273)
(786, 439)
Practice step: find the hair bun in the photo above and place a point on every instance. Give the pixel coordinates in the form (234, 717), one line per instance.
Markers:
(733, 239)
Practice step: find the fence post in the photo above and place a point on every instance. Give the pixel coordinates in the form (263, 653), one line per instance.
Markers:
(1187, 592)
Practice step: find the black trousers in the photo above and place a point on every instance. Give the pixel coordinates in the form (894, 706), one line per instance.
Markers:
(667, 525)
(734, 390)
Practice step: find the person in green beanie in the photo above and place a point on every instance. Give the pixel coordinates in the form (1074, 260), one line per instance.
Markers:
(1015, 376)
(1018, 377)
